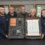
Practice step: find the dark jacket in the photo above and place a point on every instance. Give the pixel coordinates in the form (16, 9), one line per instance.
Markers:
(43, 24)
(22, 15)
(32, 16)
(2, 26)
(15, 15)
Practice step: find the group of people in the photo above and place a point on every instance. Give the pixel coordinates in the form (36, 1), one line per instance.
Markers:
(4, 18)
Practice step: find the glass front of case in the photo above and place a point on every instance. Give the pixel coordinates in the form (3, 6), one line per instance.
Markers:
(16, 28)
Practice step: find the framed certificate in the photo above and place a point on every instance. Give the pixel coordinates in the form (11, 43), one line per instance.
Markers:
(12, 21)
(33, 27)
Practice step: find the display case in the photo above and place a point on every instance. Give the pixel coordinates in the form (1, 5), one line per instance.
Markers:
(16, 28)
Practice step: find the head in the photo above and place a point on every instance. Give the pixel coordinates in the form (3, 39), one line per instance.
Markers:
(33, 12)
(43, 12)
(11, 9)
(22, 9)
(2, 10)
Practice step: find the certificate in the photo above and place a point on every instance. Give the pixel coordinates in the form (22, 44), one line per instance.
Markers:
(12, 21)
(33, 27)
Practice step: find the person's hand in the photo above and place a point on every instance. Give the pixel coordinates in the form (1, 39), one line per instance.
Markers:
(6, 35)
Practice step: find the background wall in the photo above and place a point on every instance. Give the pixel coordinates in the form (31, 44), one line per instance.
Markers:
(28, 7)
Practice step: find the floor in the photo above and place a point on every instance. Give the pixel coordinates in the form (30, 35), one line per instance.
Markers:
(22, 42)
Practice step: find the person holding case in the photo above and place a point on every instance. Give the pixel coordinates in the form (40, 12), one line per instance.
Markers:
(2, 23)
(22, 13)
(11, 14)
(43, 21)
(32, 13)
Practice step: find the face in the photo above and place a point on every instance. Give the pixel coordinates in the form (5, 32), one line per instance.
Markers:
(22, 9)
(43, 13)
(33, 12)
(2, 10)
(11, 10)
